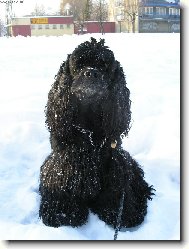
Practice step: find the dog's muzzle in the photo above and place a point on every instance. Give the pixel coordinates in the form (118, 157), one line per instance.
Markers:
(89, 83)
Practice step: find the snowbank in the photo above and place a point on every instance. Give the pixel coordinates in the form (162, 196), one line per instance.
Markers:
(28, 66)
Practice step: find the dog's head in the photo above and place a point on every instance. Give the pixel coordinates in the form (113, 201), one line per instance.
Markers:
(90, 91)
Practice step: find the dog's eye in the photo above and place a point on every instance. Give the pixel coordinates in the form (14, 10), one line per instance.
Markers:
(87, 74)
(91, 73)
(95, 74)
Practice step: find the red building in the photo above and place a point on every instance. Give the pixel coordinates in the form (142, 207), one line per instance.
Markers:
(94, 27)
(42, 25)
(56, 26)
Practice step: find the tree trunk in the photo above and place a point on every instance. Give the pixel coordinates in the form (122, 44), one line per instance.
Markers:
(133, 22)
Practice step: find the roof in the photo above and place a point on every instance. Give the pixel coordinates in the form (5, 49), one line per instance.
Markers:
(46, 16)
(161, 3)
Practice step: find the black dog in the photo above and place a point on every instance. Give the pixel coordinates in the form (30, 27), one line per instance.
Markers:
(88, 112)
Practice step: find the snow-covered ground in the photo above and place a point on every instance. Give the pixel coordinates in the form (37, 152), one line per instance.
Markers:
(28, 65)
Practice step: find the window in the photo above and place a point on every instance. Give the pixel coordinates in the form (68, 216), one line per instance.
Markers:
(68, 26)
(47, 26)
(61, 26)
(39, 26)
(178, 12)
(174, 11)
(32, 26)
(54, 26)
(160, 11)
(148, 10)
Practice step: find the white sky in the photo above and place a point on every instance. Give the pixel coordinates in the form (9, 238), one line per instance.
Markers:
(28, 6)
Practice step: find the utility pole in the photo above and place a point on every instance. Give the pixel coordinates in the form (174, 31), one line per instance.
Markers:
(8, 16)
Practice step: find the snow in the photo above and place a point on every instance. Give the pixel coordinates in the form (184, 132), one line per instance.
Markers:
(28, 65)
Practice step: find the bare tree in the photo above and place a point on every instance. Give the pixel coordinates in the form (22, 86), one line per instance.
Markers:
(39, 10)
(80, 9)
(85, 10)
(2, 28)
(127, 11)
(100, 12)
(131, 12)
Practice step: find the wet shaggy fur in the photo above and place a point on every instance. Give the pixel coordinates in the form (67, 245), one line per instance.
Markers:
(87, 114)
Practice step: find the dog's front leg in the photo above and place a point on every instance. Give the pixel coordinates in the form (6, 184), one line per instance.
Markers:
(59, 206)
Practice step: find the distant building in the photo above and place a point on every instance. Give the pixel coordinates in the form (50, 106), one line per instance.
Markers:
(42, 25)
(94, 27)
(125, 14)
(159, 16)
(145, 16)
(56, 26)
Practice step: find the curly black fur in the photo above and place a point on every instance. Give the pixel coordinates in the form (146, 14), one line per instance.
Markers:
(88, 109)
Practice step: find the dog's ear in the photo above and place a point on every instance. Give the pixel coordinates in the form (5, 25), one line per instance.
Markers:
(57, 109)
(116, 111)
(64, 69)
(115, 72)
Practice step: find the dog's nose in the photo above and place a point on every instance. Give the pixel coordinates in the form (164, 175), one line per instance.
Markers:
(91, 73)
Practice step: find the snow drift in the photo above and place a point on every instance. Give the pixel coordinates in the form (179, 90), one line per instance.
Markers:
(28, 66)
